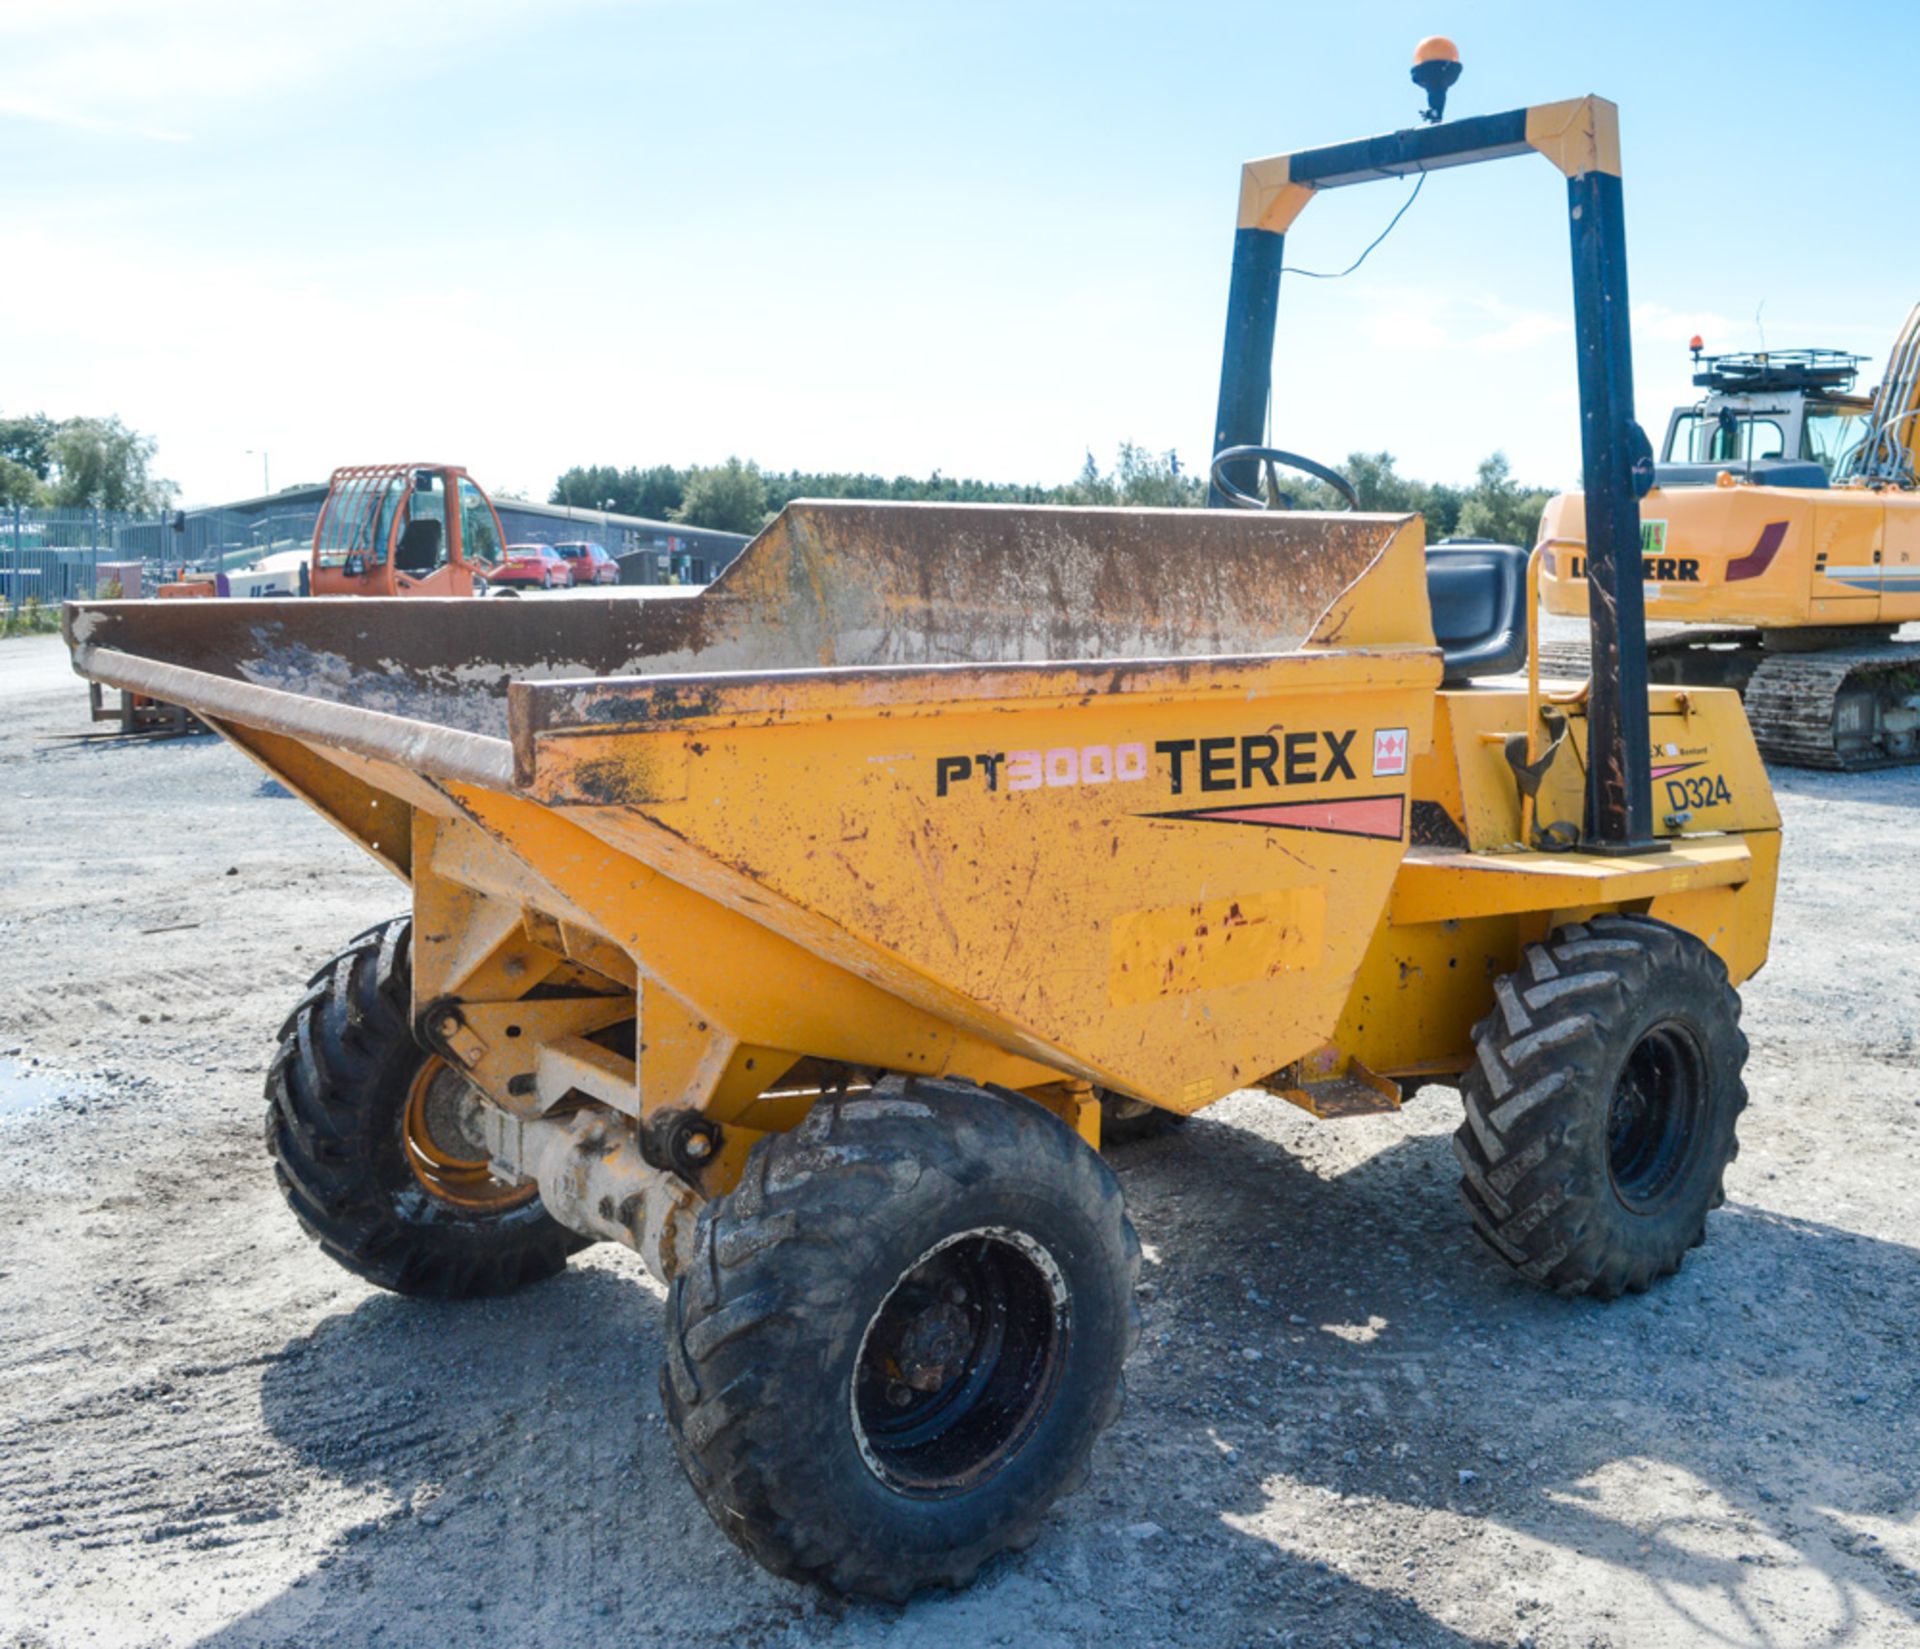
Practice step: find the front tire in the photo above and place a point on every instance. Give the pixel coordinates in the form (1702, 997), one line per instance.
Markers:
(372, 1142)
(900, 1336)
(1601, 1106)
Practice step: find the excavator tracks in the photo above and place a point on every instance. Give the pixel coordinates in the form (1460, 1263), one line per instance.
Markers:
(1848, 709)
(1565, 660)
(1845, 709)
(1695, 656)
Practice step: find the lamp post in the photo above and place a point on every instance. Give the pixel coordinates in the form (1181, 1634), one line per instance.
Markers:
(266, 481)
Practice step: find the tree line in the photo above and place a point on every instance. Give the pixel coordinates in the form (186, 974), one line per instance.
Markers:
(739, 496)
(79, 463)
(100, 462)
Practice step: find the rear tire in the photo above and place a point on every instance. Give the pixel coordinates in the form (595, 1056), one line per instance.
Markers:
(364, 1127)
(899, 1337)
(1601, 1106)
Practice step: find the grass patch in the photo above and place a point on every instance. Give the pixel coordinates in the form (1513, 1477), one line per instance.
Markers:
(29, 619)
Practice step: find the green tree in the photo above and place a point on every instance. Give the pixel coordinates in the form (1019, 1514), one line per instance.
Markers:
(1089, 486)
(1382, 487)
(654, 493)
(589, 486)
(1498, 507)
(1152, 480)
(99, 461)
(934, 488)
(1379, 484)
(28, 442)
(730, 497)
(18, 484)
(1140, 480)
(740, 497)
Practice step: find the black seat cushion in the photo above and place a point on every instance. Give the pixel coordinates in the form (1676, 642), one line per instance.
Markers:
(419, 548)
(1478, 592)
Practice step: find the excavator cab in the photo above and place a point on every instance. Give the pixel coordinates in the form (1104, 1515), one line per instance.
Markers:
(1787, 418)
(404, 529)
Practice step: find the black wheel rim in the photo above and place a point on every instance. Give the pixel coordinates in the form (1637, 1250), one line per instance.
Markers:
(960, 1363)
(1656, 1117)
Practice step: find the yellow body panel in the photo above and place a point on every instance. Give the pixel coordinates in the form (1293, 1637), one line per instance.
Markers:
(1461, 911)
(1070, 895)
(1775, 557)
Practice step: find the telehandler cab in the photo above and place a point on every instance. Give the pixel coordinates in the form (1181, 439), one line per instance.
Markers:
(404, 530)
(382, 530)
(790, 934)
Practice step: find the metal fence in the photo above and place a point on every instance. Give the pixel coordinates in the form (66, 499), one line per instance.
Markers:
(52, 555)
(49, 556)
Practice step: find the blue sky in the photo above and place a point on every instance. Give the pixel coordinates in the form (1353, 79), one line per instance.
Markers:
(888, 237)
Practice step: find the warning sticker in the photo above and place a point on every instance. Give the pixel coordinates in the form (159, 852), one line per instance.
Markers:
(1389, 752)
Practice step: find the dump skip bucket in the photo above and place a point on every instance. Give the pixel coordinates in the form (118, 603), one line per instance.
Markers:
(1117, 792)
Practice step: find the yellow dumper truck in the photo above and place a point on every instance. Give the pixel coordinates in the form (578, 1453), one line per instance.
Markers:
(794, 934)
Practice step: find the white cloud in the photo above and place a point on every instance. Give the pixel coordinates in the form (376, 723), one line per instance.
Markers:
(1524, 329)
(1655, 323)
(131, 67)
(1407, 326)
(41, 113)
(1419, 321)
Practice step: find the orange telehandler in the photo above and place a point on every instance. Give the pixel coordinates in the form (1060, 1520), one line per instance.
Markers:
(383, 530)
(404, 529)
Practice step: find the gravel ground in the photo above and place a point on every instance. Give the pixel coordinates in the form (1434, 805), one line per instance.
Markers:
(1347, 1425)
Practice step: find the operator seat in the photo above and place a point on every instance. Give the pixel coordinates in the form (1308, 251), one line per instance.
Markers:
(1478, 592)
(419, 548)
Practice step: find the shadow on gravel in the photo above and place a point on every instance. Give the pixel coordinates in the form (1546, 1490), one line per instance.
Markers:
(1729, 1437)
(1718, 1437)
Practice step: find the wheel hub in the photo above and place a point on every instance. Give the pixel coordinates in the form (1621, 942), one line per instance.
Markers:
(445, 1150)
(1656, 1117)
(934, 1346)
(452, 1116)
(960, 1362)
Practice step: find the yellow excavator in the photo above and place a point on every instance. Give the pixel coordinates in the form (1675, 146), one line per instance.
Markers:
(1780, 549)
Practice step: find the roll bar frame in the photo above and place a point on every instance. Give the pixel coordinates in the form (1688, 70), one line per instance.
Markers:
(1581, 138)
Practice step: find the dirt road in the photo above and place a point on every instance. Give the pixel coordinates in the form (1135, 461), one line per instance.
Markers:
(1347, 1425)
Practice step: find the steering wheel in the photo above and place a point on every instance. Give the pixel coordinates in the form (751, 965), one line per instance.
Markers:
(1273, 459)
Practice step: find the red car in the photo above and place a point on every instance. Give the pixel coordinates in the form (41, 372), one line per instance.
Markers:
(539, 565)
(590, 562)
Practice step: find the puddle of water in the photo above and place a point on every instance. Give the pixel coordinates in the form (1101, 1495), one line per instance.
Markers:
(26, 1088)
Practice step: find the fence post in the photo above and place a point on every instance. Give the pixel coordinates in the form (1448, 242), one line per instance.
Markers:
(19, 564)
(93, 555)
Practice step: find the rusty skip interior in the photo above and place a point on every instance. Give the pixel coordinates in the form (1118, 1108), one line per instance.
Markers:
(826, 587)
